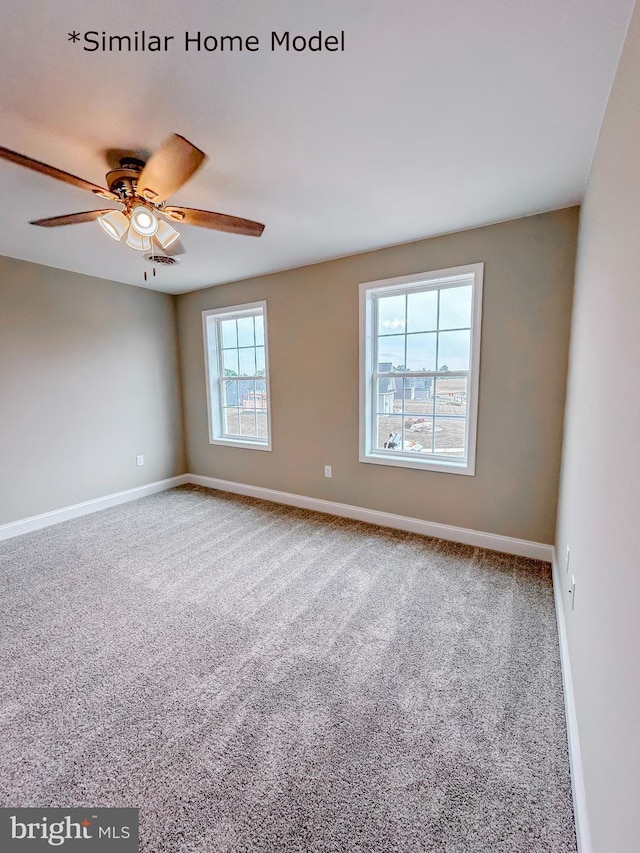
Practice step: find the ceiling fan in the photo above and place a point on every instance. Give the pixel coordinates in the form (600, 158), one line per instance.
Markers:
(142, 188)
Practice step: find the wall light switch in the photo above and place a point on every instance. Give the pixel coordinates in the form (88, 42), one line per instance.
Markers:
(572, 591)
(139, 460)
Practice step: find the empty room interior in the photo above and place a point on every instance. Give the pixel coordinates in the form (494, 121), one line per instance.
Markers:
(317, 327)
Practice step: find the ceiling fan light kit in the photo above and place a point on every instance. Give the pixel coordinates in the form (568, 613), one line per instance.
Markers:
(166, 235)
(137, 241)
(142, 189)
(143, 221)
(115, 223)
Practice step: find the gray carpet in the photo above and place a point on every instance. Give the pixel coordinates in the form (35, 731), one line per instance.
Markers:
(260, 678)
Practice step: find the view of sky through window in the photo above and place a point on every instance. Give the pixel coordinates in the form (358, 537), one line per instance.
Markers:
(243, 346)
(426, 330)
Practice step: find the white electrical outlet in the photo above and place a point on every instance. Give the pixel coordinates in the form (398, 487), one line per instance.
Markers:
(139, 460)
(566, 564)
(327, 471)
(572, 591)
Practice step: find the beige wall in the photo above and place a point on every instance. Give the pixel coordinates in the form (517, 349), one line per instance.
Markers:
(600, 488)
(88, 379)
(313, 340)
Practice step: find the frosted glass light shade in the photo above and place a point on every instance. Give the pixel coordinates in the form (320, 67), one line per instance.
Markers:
(143, 221)
(138, 241)
(166, 235)
(115, 223)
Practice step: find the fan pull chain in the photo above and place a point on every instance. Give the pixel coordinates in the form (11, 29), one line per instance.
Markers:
(153, 268)
(144, 272)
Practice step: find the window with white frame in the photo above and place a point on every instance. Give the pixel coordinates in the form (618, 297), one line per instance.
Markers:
(236, 361)
(420, 361)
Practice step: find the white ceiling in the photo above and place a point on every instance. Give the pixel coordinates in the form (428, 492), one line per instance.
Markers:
(439, 115)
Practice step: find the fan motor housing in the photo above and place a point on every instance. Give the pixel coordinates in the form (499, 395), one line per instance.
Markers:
(124, 181)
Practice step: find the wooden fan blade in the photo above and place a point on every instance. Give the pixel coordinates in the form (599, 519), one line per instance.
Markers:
(215, 221)
(169, 167)
(52, 172)
(70, 218)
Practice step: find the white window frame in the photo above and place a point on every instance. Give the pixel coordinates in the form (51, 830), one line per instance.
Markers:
(455, 276)
(215, 373)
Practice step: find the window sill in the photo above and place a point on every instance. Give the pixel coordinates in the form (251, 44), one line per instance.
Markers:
(419, 463)
(245, 445)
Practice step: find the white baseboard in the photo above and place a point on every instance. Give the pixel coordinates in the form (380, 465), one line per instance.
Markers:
(583, 834)
(35, 522)
(506, 544)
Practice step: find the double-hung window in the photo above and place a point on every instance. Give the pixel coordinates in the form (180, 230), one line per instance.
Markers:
(237, 371)
(419, 369)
